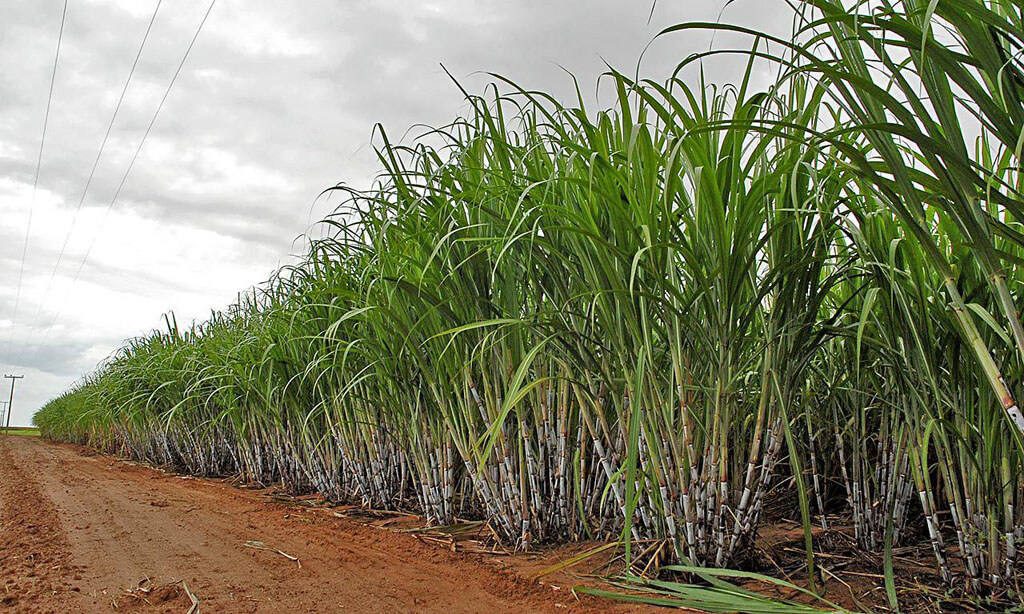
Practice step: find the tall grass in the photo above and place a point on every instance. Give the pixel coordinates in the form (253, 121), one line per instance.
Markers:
(643, 322)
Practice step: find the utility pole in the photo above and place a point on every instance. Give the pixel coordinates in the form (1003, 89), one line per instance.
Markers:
(10, 402)
(3, 404)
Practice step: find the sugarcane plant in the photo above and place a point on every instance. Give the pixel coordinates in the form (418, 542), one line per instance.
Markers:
(644, 322)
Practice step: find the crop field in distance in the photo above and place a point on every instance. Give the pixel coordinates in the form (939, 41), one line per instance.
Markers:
(21, 431)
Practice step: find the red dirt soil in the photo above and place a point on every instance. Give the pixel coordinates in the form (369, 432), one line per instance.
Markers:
(90, 533)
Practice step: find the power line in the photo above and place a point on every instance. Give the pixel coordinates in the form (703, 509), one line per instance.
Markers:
(131, 163)
(35, 180)
(99, 154)
(149, 128)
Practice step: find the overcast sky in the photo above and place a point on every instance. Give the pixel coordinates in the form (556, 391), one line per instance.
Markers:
(276, 102)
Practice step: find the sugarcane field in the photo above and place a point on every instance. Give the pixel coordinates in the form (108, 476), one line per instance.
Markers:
(512, 307)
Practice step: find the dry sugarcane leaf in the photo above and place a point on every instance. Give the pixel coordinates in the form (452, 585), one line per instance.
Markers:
(194, 609)
(258, 545)
(573, 561)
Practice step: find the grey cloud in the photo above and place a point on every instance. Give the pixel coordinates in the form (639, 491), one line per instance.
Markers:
(59, 357)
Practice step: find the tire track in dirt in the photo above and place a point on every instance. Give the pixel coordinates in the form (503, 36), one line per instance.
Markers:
(35, 564)
(104, 528)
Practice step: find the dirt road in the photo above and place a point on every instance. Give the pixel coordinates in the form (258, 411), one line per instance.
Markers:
(88, 533)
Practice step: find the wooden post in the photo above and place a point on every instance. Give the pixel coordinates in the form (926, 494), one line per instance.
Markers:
(10, 402)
